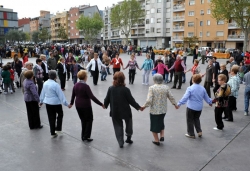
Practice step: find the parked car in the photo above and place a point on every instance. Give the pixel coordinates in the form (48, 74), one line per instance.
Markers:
(203, 48)
(229, 50)
(144, 49)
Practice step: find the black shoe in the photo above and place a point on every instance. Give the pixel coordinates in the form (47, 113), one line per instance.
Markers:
(40, 127)
(170, 81)
(67, 79)
(87, 139)
(224, 117)
(121, 146)
(129, 141)
(229, 120)
(179, 88)
(173, 88)
(156, 143)
(162, 139)
(235, 109)
(110, 74)
(102, 80)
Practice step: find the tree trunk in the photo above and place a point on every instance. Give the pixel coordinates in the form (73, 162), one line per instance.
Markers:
(246, 32)
(126, 39)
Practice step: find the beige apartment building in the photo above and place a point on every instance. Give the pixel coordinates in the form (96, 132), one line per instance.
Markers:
(194, 18)
(58, 20)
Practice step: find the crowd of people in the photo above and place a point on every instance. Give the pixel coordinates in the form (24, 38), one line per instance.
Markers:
(39, 86)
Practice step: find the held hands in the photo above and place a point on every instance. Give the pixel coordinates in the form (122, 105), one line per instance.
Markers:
(210, 105)
(176, 107)
(142, 108)
(40, 104)
(69, 106)
(103, 106)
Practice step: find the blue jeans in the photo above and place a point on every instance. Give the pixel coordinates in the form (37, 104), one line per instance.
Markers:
(247, 96)
(74, 79)
(103, 75)
(183, 77)
(108, 70)
(166, 77)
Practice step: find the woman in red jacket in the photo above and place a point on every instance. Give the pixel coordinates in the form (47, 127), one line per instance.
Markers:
(25, 59)
(117, 63)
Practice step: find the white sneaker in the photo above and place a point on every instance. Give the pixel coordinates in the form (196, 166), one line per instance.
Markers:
(146, 84)
(11, 92)
(59, 132)
(215, 128)
(143, 83)
(245, 113)
(189, 136)
(54, 136)
(5, 93)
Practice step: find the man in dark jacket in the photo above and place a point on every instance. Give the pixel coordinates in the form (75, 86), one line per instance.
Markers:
(216, 69)
(170, 64)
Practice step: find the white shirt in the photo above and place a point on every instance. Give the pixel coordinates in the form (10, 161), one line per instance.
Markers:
(64, 67)
(92, 64)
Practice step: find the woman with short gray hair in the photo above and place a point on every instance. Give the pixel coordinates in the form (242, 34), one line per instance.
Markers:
(157, 101)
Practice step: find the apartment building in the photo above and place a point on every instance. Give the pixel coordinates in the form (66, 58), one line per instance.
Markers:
(58, 20)
(8, 21)
(43, 21)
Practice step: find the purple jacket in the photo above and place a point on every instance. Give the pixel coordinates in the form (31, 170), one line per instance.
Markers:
(30, 91)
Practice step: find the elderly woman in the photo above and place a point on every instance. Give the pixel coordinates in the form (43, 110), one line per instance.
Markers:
(44, 67)
(31, 99)
(147, 66)
(157, 101)
(82, 95)
(120, 98)
(195, 70)
(223, 70)
(194, 102)
(53, 97)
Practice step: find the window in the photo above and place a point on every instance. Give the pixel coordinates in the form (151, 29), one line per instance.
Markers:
(152, 10)
(152, 29)
(167, 0)
(72, 21)
(200, 34)
(190, 24)
(220, 22)
(147, 12)
(168, 10)
(147, 21)
(208, 22)
(191, 2)
(71, 15)
(167, 30)
(208, 33)
(208, 11)
(202, 1)
(201, 23)
(158, 10)
(190, 34)
(76, 34)
(167, 20)
(147, 30)
(9, 16)
(158, 1)
(147, 2)
(202, 12)
(158, 20)
(219, 33)
(158, 30)
(72, 28)
(191, 13)
(1, 31)
(76, 14)
(1, 15)
(152, 20)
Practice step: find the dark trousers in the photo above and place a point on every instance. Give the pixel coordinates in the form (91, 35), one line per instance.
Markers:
(216, 87)
(55, 115)
(86, 116)
(118, 126)
(191, 81)
(33, 114)
(95, 75)
(116, 70)
(171, 74)
(193, 120)
(39, 82)
(230, 108)
(207, 86)
(46, 77)
(218, 117)
(74, 79)
(68, 71)
(131, 74)
(178, 77)
(62, 77)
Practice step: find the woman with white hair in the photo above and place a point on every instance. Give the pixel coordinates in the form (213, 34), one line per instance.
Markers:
(157, 101)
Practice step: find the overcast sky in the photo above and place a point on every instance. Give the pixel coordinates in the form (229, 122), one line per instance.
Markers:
(31, 8)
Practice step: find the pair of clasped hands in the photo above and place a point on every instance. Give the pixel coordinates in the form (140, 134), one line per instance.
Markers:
(142, 108)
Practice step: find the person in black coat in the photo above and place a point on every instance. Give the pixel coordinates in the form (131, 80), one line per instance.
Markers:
(170, 64)
(61, 68)
(216, 70)
(153, 55)
(195, 53)
(120, 98)
(44, 67)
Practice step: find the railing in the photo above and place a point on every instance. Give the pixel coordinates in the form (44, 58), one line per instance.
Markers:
(115, 36)
(178, 18)
(177, 38)
(179, 28)
(236, 37)
(232, 25)
(137, 35)
(178, 7)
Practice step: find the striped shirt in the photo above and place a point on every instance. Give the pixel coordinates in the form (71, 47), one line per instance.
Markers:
(132, 65)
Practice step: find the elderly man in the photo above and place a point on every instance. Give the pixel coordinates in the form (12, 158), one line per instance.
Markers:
(53, 97)
(232, 62)
(178, 67)
(28, 66)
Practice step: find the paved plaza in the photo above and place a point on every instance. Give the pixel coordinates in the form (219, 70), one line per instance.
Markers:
(22, 149)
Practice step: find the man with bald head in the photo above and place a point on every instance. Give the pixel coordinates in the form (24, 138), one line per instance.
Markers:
(178, 67)
(28, 66)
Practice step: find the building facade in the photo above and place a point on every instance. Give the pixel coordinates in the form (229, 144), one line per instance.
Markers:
(8, 21)
(57, 21)
(23, 21)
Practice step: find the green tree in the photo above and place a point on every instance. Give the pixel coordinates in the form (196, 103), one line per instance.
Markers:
(237, 10)
(35, 36)
(44, 34)
(90, 27)
(190, 41)
(125, 15)
(61, 33)
(13, 35)
(27, 36)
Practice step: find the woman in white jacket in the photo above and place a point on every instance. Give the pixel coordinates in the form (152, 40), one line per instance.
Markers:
(95, 67)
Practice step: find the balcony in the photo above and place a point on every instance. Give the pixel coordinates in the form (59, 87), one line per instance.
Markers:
(138, 35)
(179, 18)
(178, 28)
(106, 16)
(115, 36)
(235, 37)
(178, 8)
(177, 38)
(232, 26)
